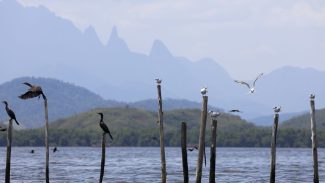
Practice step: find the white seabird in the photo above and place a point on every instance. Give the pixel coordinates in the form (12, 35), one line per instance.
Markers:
(277, 109)
(214, 114)
(204, 91)
(158, 81)
(312, 96)
(251, 88)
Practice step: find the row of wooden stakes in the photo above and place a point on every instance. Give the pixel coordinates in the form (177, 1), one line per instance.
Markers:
(201, 147)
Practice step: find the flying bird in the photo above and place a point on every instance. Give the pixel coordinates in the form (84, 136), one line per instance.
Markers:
(277, 109)
(158, 81)
(251, 88)
(235, 110)
(194, 147)
(204, 91)
(33, 91)
(3, 129)
(103, 125)
(10, 113)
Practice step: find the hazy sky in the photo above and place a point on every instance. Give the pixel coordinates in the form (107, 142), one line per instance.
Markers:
(244, 36)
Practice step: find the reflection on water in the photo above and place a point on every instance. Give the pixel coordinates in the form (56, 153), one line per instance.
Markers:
(133, 164)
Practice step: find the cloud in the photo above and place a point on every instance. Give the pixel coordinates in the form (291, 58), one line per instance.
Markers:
(300, 14)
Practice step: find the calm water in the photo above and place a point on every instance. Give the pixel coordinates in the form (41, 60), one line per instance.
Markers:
(125, 164)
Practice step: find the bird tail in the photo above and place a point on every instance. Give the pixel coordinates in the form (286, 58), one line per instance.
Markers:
(110, 136)
(16, 121)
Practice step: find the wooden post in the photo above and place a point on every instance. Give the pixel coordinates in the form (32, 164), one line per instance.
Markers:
(213, 149)
(8, 160)
(102, 165)
(201, 139)
(161, 130)
(47, 172)
(184, 152)
(313, 137)
(273, 147)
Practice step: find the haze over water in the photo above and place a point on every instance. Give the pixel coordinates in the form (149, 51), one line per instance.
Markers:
(142, 164)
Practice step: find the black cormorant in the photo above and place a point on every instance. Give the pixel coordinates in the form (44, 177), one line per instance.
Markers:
(32, 151)
(10, 113)
(33, 91)
(103, 125)
(55, 149)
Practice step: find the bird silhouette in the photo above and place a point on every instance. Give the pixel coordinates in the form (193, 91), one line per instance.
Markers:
(194, 147)
(32, 151)
(33, 91)
(10, 113)
(104, 126)
(204, 91)
(235, 110)
(251, 88)
(55, 149)
(3, 129)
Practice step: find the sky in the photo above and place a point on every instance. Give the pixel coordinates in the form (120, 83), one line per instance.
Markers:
(246, 37)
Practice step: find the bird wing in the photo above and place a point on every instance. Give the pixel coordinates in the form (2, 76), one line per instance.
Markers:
(258, 77)
(28, 84)
(242, 82)
(28, 95)
(106, 130)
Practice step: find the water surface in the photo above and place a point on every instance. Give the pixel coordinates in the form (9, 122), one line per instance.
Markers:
(142, 164)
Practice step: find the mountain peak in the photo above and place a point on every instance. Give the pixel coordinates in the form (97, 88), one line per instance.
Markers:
(115, 43)
(159, 49)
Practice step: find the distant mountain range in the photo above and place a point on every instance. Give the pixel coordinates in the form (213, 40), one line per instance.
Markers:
(35, 42)
(65, 99)
(303, 121)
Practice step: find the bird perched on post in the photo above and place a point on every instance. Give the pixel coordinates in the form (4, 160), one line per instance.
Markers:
(312, 96)
(158, 81)
(10, 113)
(277, 109)
(204, 91)
(33, 91)
(214, 114)
(251, 88)
(103, 125)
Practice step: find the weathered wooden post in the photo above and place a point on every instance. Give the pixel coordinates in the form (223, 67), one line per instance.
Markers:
(273, 143)
(36, 91)
(202, 135)
(102, 165)
(8, 160)
(161, 131)
(184, 152)
(313, 137)
(47, 170)
(214, 122)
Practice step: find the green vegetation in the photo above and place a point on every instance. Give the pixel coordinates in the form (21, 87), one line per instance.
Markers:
(135, 127)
